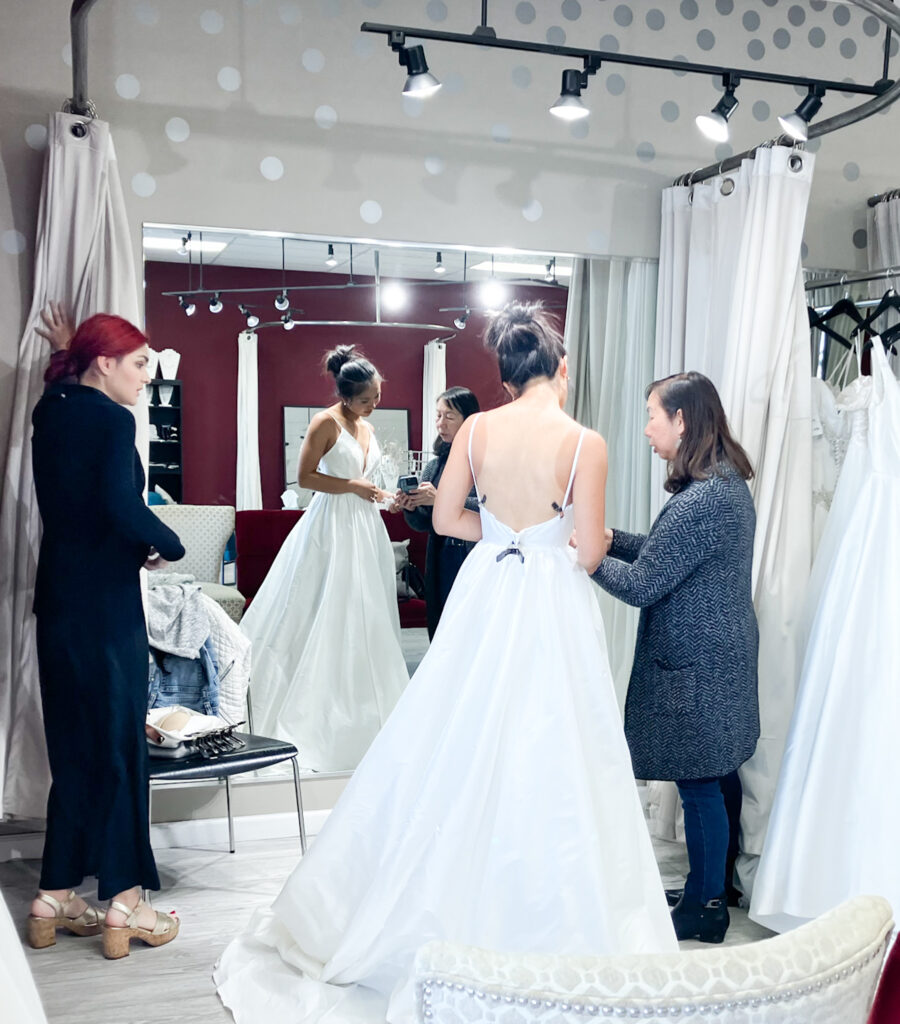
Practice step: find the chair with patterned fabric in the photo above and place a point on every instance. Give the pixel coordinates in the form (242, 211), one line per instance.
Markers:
(204, 531)
(824, 972)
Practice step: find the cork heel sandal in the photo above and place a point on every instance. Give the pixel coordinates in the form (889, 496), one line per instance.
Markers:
(41, 931)
(117, 940)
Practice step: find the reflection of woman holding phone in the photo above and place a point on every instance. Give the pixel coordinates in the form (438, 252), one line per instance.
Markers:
(327, 662)
(444, 555)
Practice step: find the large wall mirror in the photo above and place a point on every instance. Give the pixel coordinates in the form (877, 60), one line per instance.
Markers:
(207, 290)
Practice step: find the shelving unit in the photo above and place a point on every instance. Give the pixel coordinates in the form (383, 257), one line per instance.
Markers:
(165, 464)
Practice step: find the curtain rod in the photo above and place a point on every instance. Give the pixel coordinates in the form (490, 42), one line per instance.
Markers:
(886, 13)
(883, 197)
(837, 282)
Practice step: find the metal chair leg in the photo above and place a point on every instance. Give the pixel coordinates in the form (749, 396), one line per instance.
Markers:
(299, 804)
(230, 819)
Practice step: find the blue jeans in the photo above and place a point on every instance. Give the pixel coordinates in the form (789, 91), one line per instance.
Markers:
(710, 832)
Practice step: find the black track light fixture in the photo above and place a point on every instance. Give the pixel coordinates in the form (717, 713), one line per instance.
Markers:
(797, 124)
(252, 318)
(460, 321)
(182, 249)
(569, 106)
(439, 267)
(330, 259)
(215, 303)
(189, 308)
(550, 274)
(281, 300)
(714, 125)
(287, 321)
(420, 82)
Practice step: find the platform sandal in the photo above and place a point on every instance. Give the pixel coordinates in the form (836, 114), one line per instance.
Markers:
(41, 931)
(117, 941)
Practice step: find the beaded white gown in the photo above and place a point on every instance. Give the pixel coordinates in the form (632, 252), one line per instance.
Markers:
(327, 665)
(832, 833)
(497, 807)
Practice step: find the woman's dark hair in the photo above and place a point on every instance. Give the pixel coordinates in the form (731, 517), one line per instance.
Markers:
(706, 443)
(102, 334)
(461, 399)
(526, 341)
(464, 402)
(352, 372)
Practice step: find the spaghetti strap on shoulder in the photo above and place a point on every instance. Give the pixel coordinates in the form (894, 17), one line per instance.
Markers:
(574, 466)
(475, 419)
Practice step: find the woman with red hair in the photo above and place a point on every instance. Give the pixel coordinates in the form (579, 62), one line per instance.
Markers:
(92, 637)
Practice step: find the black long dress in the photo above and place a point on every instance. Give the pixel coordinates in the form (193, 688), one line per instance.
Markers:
(444, 556)
(92, 638)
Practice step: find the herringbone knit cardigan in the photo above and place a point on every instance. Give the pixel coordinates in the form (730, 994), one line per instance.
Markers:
(692, 710)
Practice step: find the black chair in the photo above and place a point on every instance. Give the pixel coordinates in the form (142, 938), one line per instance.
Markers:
(257, 752)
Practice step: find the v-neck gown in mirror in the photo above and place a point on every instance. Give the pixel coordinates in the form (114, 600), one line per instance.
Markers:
(327, 665)
(497, 807)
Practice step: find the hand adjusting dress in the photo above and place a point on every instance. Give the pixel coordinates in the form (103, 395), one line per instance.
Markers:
(496, 807)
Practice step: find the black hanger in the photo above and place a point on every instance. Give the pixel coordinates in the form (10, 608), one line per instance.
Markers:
(818, 322)
(890, 300)
(843, 307)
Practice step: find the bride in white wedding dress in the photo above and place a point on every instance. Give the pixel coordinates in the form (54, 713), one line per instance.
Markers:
(327, 665)
(497, 806)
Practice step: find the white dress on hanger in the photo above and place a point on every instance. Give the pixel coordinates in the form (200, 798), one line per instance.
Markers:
(497, 807)
(327, 665)
(832, 832)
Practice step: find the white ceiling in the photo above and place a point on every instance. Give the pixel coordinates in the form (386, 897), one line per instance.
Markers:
(263, 250)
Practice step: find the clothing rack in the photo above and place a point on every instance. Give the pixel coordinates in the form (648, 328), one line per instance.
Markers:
(865, 275)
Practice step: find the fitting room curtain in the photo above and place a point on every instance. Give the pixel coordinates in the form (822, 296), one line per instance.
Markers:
(83, 259)
(248, 492)
(732, 305)
(884, 252)
(434, 381)
(609, 337)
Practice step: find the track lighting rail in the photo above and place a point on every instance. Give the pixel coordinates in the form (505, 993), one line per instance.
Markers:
(397, 34)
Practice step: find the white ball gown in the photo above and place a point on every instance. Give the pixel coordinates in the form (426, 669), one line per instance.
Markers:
(832, 833)
(497, 807)
(327, 665)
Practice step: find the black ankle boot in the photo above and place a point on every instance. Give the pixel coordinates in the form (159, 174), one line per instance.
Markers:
(707, 922)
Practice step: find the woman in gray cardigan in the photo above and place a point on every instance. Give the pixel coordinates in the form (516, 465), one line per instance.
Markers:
(691, 714)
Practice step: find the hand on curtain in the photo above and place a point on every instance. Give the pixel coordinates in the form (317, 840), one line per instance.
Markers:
(58, 327)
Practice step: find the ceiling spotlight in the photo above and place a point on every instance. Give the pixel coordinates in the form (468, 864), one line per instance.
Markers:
(550, 275)
(331, 261)
(182, 249)
(252, 318)
(459, 322)
(797, 124)
(493, 294)
(215, 304)
(287, 321)
(439, 267)
(282, 301)
(393, 296)
(714, 125)
(420, 83)
(189, 308)
(569, 106)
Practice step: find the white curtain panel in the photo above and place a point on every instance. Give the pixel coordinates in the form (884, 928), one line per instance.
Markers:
(610, 329)
(434, 381)
(884, 253)
(248, 492)
(83, 259)
(740, 318)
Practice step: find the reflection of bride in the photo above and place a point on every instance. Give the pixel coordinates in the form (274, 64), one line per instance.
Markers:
(497, 807)
(327, 662)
